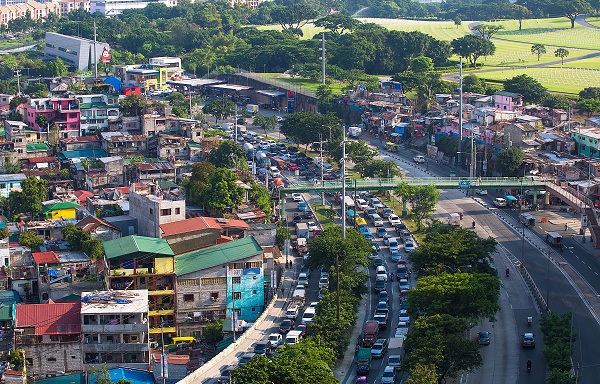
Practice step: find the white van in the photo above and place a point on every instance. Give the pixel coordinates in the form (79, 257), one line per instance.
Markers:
(293, 337)
(377, 220)
(419, 159)
(500, 202)
(308, 316)
(274, 172)
(381, 273)
(394, 246)
(292, 312)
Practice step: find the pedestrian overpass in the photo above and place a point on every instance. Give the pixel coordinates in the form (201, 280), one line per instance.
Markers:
(386, 184)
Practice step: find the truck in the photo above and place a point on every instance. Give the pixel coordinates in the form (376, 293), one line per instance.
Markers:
(395, 352)
(302, 230)
(363, 361)
(298, 298)
(370, 333)
(454, 219)
(349, 202)
(252, 108)
(293, 337)
(354, 132)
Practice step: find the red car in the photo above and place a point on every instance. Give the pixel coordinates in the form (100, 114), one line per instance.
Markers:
(302, 328)
(292, 167)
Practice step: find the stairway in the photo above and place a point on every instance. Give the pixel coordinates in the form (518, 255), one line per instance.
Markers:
(594, 227)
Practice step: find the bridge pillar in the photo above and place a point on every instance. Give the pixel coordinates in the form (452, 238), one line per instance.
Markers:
(534, 197)
(547, 198)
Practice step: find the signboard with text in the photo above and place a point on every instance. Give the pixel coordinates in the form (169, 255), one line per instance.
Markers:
(291, 95)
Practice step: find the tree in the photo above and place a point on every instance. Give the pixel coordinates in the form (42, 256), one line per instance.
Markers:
(359, 152)
(307, 127)
(421, 64)
(590, 93)
(554, 100)
(337, 23)
(539, 50)
(31, 240)
(261, 197)
(293, 17)
(228, 155)
(100, 375)
(572, 8)
(222, 191)
(281, 235)
(457, 21)
(377, 168)
(509, 161)
(450, 248)
(82, 242)
(472, 83)
(213, 332)
(562, 53)
(42, 121)
(55, 68)
(422, 200)
(220, 109)
(588, 106)
(423, 374)
(37, 90)
(439, 340)
(329, 246)
(132, 105)
(487, 31)
(265, 122)
(197, 182)
(472, 47)
(4, 233)
(29, 199)
(519, 13)
(526, 86)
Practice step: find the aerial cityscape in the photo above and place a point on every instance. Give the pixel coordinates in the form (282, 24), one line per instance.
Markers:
(308, 191)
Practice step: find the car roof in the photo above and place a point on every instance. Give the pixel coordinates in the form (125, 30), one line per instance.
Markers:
(529, 334)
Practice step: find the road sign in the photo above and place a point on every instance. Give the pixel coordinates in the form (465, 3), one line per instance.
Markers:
(464, 184)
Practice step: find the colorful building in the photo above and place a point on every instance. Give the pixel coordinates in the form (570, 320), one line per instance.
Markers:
(96, 112)
(61, 210)
(138, 262)
(508, 101)
(63, 112)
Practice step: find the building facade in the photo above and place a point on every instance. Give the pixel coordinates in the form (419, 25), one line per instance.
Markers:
(61, 112)
(114, 327)
(76, 52)
(153, 208)
(96, 112)
(112, 8)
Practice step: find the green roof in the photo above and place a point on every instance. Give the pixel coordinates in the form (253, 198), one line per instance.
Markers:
(216, 255)
(136, 246)
(61, 205)
(506, 93)
(2, 131)
(36, 147)
(100, 104)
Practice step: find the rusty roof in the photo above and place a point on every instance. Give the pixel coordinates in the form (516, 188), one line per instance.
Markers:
(50, 319)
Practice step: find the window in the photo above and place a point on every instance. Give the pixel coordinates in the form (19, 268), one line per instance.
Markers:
(110, 338)
(177, 211)
(188, 297)
(188, 282)
(151, 211)
(165, 212)
(254, 291)
(214, 281)
(237, 295)
(51, 359)
(236, 280)
(214, 295)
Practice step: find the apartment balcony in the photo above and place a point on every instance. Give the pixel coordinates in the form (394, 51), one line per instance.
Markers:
(164, 329)
(114, 328)
(132, 272)
(162, 312)
(161, 292)
(140, 366)
(96, 347)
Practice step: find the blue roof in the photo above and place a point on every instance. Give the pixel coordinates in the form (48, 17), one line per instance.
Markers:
(86, 153)
(115, 82)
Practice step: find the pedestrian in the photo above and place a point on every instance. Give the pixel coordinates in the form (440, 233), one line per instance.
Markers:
(566, 227)
(282, 289)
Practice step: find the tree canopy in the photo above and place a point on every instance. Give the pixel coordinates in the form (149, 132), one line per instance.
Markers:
(421, 198)
(509, 161)
(473, 47)
(531, 89)
(29, 198)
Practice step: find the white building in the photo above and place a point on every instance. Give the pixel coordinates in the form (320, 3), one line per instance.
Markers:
(96, 112)
(76, 52)
(116, 7)
(114, 325)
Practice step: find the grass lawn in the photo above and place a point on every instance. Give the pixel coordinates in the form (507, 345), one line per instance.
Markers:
(20, 42)
(321, 211)
(594, 20)
(301, 82)
(585, 63)
(441, 30)
(514, 53)
(556, 79)
(550, 32)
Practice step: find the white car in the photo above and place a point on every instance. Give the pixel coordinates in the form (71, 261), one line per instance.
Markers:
(394, 220)
(481, 192)
(404, 316)
(409, 246)
(297, 196)
(419, 159)
(311, 226)
(323, 282)
(275, 339)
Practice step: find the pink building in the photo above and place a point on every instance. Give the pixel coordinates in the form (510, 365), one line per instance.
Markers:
(508, 101)
(63, 112)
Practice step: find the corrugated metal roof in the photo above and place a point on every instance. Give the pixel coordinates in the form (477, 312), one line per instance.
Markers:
(136, 246)
(155, 166)
(50, 319)
(42, 258)
(216, 255)
(188, 225)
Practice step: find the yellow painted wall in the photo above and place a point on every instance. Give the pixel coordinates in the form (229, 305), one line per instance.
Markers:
(68, 213)
(163, 265)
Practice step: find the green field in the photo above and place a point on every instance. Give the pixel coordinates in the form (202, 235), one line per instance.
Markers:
(441, 30)
(594, 21)
(568, 80)
(308, 84)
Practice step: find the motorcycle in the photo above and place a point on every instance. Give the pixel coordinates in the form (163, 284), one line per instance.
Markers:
(507, 272)
(473, 224)
(528, 365)
(529, 320)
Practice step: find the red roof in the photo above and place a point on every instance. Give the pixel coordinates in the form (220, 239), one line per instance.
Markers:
(188, 225)
(91, 223)
(82, 196)
(48, 159)
(124, 190)
(229, 223)
(42, 258)
(80, 139)
(51, 318)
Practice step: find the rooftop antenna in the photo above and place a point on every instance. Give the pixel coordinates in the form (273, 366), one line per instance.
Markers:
(95, 58)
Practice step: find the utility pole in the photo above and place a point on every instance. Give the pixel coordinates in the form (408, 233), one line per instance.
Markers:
(323, 58)
(163, 358)
(18, 74)
(337, 257)
(473, 166)
(322, 181)
(460, 108)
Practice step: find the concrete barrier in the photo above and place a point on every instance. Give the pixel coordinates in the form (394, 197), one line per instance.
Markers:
(197, 375)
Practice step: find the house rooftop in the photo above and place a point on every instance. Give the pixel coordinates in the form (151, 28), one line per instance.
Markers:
(136, 246)
(508, 94)
(51, 318)
(217, 255)
(114, 302)
(42, 258)
(188, 225)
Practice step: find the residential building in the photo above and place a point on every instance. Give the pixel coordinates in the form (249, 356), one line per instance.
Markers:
(96, 112)
(112, 8)
(77, 53)
(215, 282)
(61, 112)
(153, 208)
(114, 327)
(151, 76)
(119, 144)
(14, 9)
(50, 336)
(519, 133)
(169, 147)
(191, 234)
(107, 172)
(67, 6)
(139, 262)
(80, 143)
(20, 135)
(10, 182)
(153, 172)
(56, 210)
(8, 307)
(587, 140)
(508, 101)
(99, 229)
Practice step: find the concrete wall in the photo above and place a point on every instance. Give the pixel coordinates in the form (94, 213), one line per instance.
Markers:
(74, 51)
(148, 213)
(192, 241)
(50, 358)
